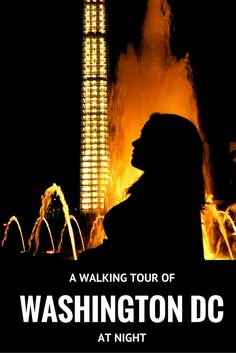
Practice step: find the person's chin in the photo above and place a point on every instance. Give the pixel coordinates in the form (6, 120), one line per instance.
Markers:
(133, 162)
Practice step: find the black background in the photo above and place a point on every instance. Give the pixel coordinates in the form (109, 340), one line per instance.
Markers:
(51, 277)
(39, 127)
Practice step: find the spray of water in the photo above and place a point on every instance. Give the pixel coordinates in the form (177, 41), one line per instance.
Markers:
(35, 227)
(97, 234)
(63, 231)
(219, 231)
(13, 219)
(46, 202)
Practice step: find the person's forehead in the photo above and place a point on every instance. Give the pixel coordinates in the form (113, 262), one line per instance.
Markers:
(149, 126)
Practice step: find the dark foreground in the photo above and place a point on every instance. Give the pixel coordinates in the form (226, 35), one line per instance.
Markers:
(48, 276)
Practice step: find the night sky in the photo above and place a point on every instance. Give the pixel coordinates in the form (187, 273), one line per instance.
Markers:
(40, 110)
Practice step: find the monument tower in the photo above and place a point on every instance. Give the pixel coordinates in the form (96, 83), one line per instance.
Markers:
(94, 162)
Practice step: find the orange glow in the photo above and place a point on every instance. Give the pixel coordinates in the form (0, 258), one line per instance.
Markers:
(153, 80)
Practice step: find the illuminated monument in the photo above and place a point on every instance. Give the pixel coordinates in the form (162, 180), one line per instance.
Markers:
(94, 163)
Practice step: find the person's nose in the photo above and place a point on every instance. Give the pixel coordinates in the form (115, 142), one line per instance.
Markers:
(135, 142)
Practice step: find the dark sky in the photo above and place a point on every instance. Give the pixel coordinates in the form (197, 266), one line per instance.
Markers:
(41, 53)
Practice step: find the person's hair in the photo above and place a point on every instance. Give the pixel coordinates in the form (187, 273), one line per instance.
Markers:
(175, 156)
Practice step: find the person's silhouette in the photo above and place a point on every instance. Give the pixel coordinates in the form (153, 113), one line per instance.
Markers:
(160, 219)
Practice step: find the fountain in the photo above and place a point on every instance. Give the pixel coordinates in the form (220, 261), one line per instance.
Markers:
(13, 219)
(219, 231)
(97, 233)
(63, 230)
(34, 239)
(32, 236)
(46, 202)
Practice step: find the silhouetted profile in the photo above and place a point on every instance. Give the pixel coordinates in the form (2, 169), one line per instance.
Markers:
(160, 219)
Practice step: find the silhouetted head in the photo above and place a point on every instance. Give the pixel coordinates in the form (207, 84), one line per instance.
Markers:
(170, 149)
(167, 139)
